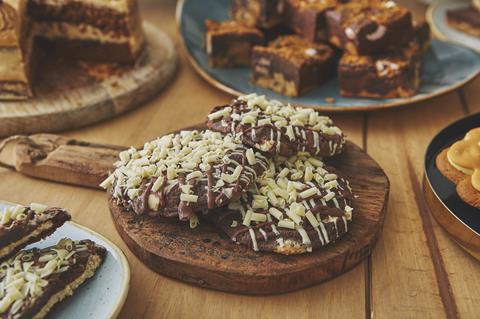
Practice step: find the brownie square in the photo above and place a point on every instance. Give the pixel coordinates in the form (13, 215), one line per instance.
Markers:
(465, 19)
(394, 75)
(307, 17)
(229, 43)
(291, 65)
(260, 13)
(369, 27)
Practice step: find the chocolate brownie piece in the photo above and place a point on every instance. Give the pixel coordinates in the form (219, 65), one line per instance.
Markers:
(183, 173)
(291, 65)
(465, 19)
(34, 281)
(395, 75)
(369, 27)
(260, 13)
(422, 35)
(274, 128)
(307, 18)
(299, 205)
(229, 43)
(21, 226)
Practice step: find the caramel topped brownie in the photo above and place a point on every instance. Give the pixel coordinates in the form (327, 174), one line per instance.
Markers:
(272, 127)
(230, 43)
(33, 281)
(21, 226)
(465, 19)
(369, 27)
(395, 75)
(180, 174)
(307, 17)
(291, 65)
(16, 45)
(298, 205)
(260, 13)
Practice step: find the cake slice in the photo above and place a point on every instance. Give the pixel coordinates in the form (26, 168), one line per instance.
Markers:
(21, 226)
(230, 43)
(291, 65)
(103, 30)
(15, 51)
(34, 281)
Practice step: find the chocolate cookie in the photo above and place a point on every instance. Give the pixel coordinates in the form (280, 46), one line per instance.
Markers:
(179, 174)
(297, 206)
(272, 127)
(21, 226)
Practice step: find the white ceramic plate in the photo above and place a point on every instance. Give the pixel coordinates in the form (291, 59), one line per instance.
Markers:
(102, 296)
(437, 17)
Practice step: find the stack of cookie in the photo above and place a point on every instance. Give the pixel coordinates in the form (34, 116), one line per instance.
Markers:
(256, 172)
(33, 281)
(380, 46)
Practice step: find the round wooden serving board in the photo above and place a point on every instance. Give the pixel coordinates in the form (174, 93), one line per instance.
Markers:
(205, 257)
(70, 94)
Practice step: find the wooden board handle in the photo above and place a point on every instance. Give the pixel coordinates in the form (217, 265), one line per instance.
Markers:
(60, 159)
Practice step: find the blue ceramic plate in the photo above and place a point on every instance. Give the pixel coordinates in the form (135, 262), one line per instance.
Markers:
(437, 16)
(447, 66)
(103, 295)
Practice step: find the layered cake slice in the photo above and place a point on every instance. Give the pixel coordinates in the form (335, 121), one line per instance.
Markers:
(34, 281)
(465, 19)
(97, 30)
(15, 51)
(21, 226)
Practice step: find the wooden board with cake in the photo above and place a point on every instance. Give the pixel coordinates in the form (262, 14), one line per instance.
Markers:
(260, 183)
(67, 65)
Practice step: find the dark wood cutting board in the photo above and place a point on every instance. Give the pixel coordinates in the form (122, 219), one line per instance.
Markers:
(204, 256)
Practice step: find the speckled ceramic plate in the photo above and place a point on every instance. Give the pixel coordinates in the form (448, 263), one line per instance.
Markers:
(437, 17)
(458, 218)
(103, 295)
(447, 66)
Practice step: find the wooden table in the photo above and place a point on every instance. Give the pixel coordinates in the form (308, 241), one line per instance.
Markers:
(416, 271)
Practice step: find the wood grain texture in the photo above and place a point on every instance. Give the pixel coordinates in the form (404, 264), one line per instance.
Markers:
(404, 284)
(71, 94)
(207, 258)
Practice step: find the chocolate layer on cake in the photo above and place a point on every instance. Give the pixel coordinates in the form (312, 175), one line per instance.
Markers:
(106, 31)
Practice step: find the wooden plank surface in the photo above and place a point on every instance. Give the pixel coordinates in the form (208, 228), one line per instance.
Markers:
(416, 270)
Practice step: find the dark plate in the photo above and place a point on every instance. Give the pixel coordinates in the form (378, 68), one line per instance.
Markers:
(444, 188)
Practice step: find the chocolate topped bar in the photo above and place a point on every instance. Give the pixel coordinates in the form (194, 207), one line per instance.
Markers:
(230, 43)
(369, 27)
(395, 75)
(298, 205)
(274, 128)
(180, 174)
(291, 65)
(16, 45)
(465, 19)
(307, 18)
(34, 281)
(260, 13)
(21, 226)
